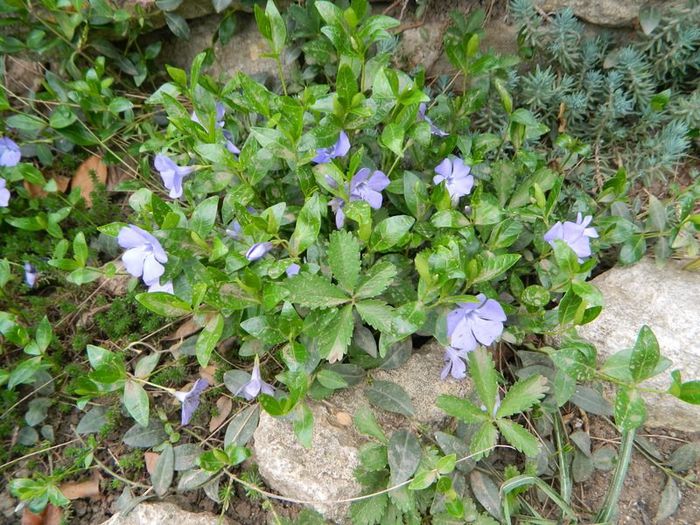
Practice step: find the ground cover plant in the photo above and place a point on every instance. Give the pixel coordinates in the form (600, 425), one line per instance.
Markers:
(299, 236)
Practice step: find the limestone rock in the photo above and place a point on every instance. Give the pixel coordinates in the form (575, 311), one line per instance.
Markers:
(163, 513)
(421, 46)
(610, 13)
(324, 473)
(242, 53)
(668, 301)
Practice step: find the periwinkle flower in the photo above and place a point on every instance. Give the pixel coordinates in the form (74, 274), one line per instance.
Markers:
(258, 251)
(455, 364)
(144, 256)
(230, 146)
(234, 230)
(471, 324)
(4, 194)
(337, 205)
(455, 173)
(10, 153)
(256, 385)
(157, 287)
(190, 399)
(30, 274)
(433, 128)
(292, 270)
(339, 149)
(368, 187)
(172, 174)
(220, 113)
(576, 234)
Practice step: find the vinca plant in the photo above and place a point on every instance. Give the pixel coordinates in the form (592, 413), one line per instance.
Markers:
(315, 231)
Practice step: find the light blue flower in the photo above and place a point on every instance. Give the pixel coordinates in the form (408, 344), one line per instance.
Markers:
(576, 234)
(455, 364)
(144, 256)
(292, 270)
(456, 176)
(258, 251)
(339, 149)
(190, 399)
(10, 153)
(172, 174)
(471, 324)
(4, 194)
(30, 275)
(256, 385)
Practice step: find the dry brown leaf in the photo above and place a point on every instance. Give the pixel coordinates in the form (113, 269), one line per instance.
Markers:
(223, 409)
(50, 516)
(151, 459)
(208, 373)
(81, 489)
(186, 329)
(92, 168)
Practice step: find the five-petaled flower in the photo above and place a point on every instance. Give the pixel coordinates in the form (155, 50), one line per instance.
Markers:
(339, 149)
(190, 399)
(455, 174)
(256, 385)
(4, 194)
(471, 324)
(455, 363)
(10, 153)
(258, 250)
(364, 186)
(433, 128)
(172, 174)
(292, 270)
(144, 255)
(30, 274)
(576, 234)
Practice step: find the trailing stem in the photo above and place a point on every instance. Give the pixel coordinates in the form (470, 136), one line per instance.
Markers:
(610, 504)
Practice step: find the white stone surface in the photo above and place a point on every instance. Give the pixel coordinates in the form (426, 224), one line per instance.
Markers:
(163, 513)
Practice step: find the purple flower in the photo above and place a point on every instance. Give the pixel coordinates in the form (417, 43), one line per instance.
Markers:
(575, 234)
(433, 128)
(456, 176)
(144, 255)
(455, 363)
(258, 250)
(368, 188)
(166, 288)
(190, 399)
(292, 270)
(172, 174)
(229, 143)
(4, 194)
(473, 323)
(30, 275)
(10, 153)
(337, 207)
(220, 113)
(256, 385)
(234, 230)
(339, 149)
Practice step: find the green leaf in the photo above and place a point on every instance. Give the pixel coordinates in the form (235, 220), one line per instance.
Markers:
(140, 437)
(392, 138)
(315, 291)
(391, 397)
(483, 440)
(523, 395)
(461, 409)
(377, 314)
(483, 372)
(62, 117)
(645, 355)
(334, 341)
(136, 402)
(303, 425)
(630, 410)
(519, 437)
(25, 122)
(242, 427)
(690, 392)
(344, 258)
(671, 495)
(164, 470)
(307, 227)
(277, 27)
(591, 401)
(391, 232)
(371, 510)
(164, 304)
(415, 193)
(204, 216)
(535, 295)
(403, 453)
(492, 266)
(44, 334)
(649, 18)
(366, 424)
(346, 84)
(178, 25)
(486, 493)
(208, 339)
(330, 379)
(378, 278)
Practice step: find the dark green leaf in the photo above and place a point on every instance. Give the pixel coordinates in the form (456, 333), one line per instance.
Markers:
(403, 453)
(164, 470)
(164, 304)
(136, 402)
(315, 291)
(391, 397)
(344, 258)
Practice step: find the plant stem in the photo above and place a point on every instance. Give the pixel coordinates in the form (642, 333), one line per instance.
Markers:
(610, 504)
(564, 474)
(280, 72)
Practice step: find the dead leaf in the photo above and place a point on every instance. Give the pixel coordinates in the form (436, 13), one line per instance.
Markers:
(151, 458)
(186, 329)
(81, 489)
(50, 516)
(35, 190)
(223, 409)
(116, 174)
(93, 169)
(208, 373)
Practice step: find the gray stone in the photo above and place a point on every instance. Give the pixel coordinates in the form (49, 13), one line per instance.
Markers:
(668, 301)
(163, 513)
(610, 13)
(244, 52)
(323, 474)
(421, 46)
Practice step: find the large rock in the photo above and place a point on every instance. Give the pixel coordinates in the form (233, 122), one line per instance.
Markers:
(611, 13)
(323, 474)
(163, 513)
(668, 301)
(244, 52)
